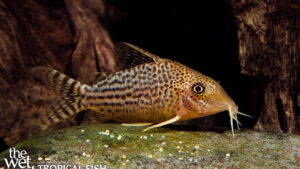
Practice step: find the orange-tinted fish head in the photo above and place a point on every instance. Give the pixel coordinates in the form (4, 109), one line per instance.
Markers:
(201, 96)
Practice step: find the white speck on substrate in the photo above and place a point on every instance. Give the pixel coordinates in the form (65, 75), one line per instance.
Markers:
(227, 155)
(163, 143)
(170, 154)
(47, 159)
(83, 154)
(127, 161)
(106, 131)
(119, 137)
(162, 136)
(150, 156)
(178, 147)
(180, 142)
(161, 149)
(180, 158)
(208, 150)
(88, 155)
(76, 156)
(190, 160)
(179, 151)
(112, 136)
(87, 140)
(105, 146)
(196, 147)
(82, 131)
(40, 158)
(145, 137)
(151, 135)
(141, 137)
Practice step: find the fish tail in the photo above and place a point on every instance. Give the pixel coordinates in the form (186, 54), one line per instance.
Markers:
(67, 90)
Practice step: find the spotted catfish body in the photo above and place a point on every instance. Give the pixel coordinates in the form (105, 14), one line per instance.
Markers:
(149, 90)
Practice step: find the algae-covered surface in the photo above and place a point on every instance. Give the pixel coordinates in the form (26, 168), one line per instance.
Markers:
(116, 146)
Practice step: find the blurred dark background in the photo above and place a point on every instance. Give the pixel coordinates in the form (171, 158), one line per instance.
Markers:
(199, 34)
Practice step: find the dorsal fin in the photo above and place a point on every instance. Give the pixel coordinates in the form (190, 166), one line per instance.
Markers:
(129, 55)
(99, 76)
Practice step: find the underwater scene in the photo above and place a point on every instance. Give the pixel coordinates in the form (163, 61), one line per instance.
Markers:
(149, 84)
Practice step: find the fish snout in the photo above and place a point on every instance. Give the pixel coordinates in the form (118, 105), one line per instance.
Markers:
(233, 109)
(224, 102)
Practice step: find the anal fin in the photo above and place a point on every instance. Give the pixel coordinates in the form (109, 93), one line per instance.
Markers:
(93, 117)
(172, 120)
(136, 124)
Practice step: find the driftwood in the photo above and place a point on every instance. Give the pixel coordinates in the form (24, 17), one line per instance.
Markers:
(269, 49)
(65, 35)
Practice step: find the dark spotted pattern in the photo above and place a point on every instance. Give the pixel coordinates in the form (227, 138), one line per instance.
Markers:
(141, 93)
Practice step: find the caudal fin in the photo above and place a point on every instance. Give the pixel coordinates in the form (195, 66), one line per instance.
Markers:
(67, 90)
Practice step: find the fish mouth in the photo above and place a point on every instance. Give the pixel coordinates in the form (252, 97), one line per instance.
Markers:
(233, 112)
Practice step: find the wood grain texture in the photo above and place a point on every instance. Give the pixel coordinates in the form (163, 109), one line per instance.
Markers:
(269, 43)
(92, 39)
(46, 33)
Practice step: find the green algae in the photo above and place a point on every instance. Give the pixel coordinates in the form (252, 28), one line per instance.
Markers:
(128, 147)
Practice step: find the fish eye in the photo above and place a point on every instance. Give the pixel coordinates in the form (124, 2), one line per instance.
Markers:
(198, 88)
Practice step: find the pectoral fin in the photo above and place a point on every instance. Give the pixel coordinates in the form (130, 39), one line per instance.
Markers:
(136, 124)
(172, 120)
